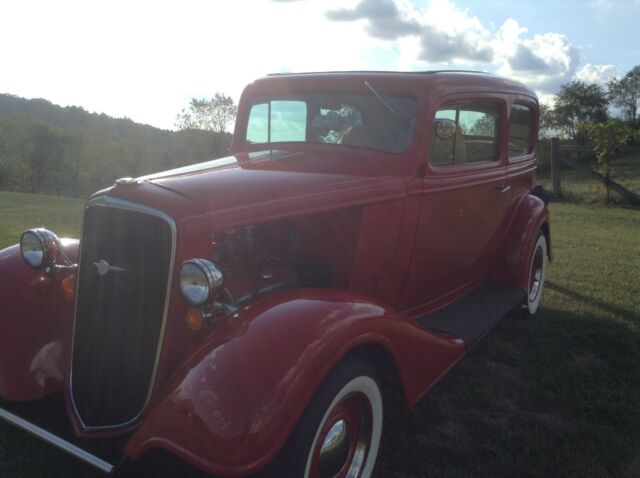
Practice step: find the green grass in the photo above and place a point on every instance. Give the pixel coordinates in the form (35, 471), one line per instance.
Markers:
(553, 396)
(20, 211)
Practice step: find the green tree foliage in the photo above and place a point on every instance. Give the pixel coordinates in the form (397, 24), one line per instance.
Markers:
(213, 114)
(69, 151)
(547, 121)
(44, 150)
(625, 93)
(576, 102)
(606, 139)
(483, 126)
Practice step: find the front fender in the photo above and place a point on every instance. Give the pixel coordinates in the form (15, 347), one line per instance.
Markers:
(36, 323)
(512, 266)
(233, 403)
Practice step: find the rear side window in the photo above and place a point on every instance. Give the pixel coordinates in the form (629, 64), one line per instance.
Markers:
(520, 131)
(466, 133)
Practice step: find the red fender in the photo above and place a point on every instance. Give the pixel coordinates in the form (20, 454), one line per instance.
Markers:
(35, 327)
(231, 406)
(512, 266)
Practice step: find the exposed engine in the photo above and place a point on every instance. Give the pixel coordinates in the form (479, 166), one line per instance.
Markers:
(255, 260)
(311, 251)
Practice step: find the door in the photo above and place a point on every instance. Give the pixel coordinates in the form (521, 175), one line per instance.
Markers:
(464, 200)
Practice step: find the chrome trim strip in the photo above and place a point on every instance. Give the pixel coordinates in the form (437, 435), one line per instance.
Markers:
(56, 441)
(108, 201)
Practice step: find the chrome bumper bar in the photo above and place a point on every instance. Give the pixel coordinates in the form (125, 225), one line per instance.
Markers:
(56, 441)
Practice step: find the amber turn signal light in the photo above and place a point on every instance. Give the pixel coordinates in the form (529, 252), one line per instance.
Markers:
(195, 319)
(69, 287)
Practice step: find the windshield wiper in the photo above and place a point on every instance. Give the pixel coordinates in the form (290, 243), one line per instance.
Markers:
(385, 103)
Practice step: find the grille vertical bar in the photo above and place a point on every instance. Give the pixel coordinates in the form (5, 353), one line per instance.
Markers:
(120, 315)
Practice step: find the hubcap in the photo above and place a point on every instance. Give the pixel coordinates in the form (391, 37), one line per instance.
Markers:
(343, 445)
(535, 279)
(335, 450)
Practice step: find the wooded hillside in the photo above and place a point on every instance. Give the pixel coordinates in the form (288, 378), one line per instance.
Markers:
(69, 151)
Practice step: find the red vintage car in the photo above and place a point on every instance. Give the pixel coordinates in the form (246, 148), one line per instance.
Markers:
(253, 313)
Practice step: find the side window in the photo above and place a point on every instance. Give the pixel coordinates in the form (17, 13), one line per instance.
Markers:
(277, 121)
(520, 131)
(465, 133)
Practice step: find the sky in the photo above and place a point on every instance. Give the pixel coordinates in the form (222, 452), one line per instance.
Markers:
(145, 60)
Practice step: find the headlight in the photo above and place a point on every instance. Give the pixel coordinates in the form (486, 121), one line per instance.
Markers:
(200, 280)
(39, 247)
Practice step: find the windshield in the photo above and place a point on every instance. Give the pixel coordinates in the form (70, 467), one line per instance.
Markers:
(359, 120)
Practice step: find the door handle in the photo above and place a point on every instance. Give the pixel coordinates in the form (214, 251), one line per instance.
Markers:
(504, 188)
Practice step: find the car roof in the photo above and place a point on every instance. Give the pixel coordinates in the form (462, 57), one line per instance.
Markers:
(443, 81)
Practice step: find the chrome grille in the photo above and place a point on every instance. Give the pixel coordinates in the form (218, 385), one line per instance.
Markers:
(125, 270)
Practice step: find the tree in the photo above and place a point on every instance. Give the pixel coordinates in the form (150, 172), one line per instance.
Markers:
(483, 126)
(625, 93)
(211, 115)
(547, 121)
(13, 172)
(606, 139)
(579, 101)
(46, 149)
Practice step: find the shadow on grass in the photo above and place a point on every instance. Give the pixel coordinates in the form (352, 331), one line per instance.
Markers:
(619, 311)
(553, 396)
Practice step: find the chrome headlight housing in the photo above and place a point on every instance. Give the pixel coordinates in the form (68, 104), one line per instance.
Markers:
(200, 280)
(39, 247)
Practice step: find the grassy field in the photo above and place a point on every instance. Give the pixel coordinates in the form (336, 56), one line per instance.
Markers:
(19, 211)
(553, 396)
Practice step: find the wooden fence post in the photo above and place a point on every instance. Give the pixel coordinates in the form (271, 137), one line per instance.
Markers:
(555, 167)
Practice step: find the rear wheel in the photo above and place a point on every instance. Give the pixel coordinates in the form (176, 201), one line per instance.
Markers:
(537, 275)
(339, 433)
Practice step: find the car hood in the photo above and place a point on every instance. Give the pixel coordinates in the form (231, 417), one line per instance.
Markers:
(257, 187)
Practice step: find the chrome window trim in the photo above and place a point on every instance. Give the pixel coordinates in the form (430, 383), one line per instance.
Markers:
(108, 201)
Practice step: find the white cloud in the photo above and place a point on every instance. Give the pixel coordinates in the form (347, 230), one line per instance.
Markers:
(386, 19)
(599, 74)
(543, 61)
(451, 35)
(445, 33)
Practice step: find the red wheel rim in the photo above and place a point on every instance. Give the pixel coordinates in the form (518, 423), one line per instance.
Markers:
(345, 438)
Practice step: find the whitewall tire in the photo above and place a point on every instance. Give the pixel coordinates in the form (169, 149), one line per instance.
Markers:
(339, 433)
(538, 263)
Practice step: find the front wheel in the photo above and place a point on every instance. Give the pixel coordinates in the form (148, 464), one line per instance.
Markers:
(339, 433)
(537, 275)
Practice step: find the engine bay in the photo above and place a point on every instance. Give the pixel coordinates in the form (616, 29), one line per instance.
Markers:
(260, 259)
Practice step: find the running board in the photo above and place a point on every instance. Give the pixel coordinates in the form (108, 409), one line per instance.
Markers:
(56, 441)
(474, 315)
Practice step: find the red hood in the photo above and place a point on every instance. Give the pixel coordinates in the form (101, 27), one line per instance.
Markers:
(256, 187)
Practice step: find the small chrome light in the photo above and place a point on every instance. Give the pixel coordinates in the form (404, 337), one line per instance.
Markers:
(200, 280)
(127, 181)
(39, 247)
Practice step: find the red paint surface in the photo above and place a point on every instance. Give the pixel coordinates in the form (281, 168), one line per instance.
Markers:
(231, 405)
(35, 327)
